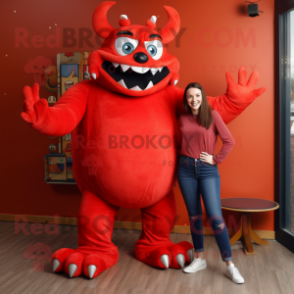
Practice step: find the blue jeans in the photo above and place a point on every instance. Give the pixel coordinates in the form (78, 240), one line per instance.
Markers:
(196, 177)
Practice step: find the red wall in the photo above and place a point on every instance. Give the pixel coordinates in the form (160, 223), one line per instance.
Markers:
(219, 37)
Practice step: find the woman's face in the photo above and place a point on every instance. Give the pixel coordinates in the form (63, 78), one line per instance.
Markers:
(194, 98)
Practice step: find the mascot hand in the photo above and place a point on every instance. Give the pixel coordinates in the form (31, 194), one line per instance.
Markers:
(94, 60)
(243, 93)
(35, 109)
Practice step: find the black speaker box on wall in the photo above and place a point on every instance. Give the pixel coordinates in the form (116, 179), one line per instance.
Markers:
(253, 10)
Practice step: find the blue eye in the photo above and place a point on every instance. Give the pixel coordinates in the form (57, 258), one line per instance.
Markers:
(152, 50)
(128, 48)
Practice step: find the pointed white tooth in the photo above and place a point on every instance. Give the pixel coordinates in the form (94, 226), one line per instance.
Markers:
(115, 64)
(160, 69)
(150, 85)
(153, 70)
(140, 69)
(136, 88)
(124, 67)
(145, 69)
(122, 83)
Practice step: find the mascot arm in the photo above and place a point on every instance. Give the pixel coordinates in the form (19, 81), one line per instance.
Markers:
(60, 119)
(236, 99)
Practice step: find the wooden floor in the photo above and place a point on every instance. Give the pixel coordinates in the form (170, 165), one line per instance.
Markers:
(271, 271)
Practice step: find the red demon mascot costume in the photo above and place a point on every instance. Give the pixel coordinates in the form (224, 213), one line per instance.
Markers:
(125, 117)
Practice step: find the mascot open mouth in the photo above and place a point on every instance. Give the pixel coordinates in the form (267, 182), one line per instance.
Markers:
(136, 78)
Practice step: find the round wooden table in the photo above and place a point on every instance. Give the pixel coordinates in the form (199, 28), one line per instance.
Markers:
(246, 206)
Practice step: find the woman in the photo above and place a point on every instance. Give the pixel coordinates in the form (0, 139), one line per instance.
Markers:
(198, 174)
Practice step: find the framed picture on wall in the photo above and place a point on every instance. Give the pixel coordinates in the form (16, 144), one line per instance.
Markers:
(69, 75)
(55, 168)
(71, 66)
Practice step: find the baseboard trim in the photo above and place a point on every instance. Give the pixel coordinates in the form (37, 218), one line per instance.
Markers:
(71, 221)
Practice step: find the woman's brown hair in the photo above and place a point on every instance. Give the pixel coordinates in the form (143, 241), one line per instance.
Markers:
(205, 111)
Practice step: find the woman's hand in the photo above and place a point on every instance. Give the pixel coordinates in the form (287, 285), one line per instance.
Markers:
(206, 158)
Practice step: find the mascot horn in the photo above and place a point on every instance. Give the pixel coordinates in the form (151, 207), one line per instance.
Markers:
(124, 140)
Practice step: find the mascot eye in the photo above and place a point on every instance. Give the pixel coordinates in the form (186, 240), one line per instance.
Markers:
(128, 48)
(125, 46)
(154, 48)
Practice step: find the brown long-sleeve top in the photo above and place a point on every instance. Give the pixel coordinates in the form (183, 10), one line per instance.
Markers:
(196, 138)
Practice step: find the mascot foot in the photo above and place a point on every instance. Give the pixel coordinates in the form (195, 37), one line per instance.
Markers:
(171, 256)
(75, 262)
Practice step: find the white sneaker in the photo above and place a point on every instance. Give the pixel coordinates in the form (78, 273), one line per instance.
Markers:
(196, 265)
(233, 273)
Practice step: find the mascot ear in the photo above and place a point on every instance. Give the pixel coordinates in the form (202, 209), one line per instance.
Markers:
(172, 28)
(99, 20)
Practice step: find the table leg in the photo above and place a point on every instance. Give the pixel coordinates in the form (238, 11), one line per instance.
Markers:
(237, 236)
(246, 224)
(246, 233)
(256, 238)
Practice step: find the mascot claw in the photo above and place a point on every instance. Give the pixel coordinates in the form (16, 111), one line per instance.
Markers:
(190, 255)
(76, 263)
(55, 264)
(169, 256)
(72, 269)
(180, 259)
(91, 270)
(165, 260)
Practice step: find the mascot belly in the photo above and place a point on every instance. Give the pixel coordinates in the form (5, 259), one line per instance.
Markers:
(131, 158)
